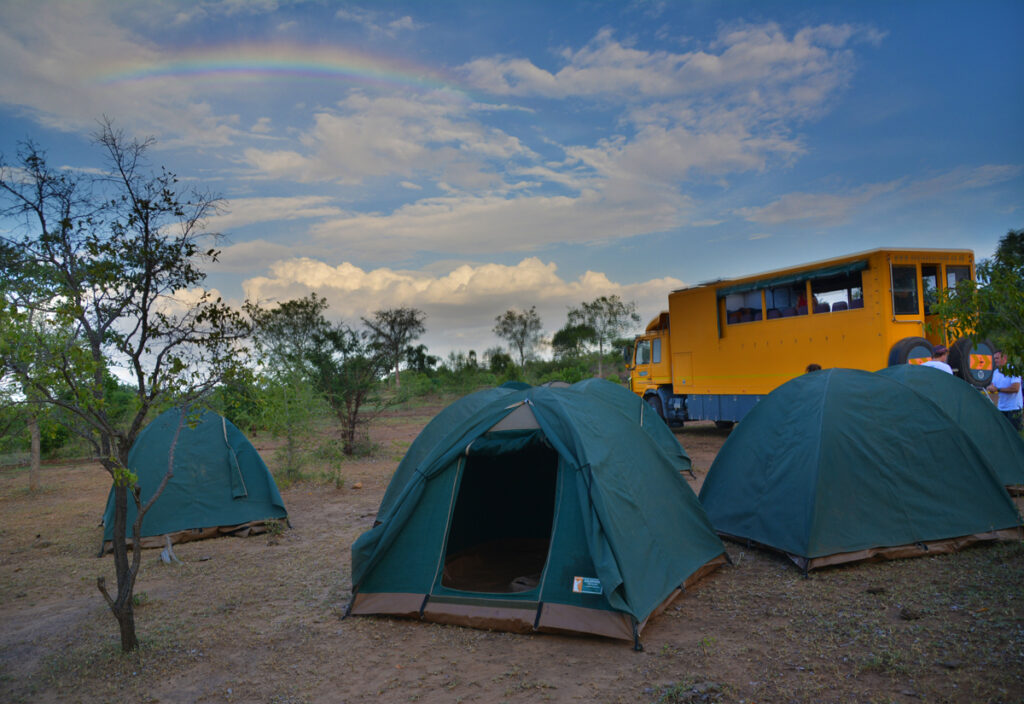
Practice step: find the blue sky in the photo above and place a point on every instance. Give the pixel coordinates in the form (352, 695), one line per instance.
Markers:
(469, 157)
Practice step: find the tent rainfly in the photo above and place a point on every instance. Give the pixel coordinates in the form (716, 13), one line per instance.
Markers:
(843, 465)
(219, 484)
(539, 509)
(974, 413)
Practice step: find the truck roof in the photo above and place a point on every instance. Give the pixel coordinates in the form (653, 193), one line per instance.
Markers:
(823, 263)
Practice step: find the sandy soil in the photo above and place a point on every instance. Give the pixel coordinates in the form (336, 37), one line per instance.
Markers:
(258, 619)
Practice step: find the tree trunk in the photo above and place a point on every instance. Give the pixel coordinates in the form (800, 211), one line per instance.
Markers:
(35, 461)
(121, 604)
(125, 616)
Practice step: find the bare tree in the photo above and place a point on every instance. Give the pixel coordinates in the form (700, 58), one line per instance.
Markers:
(521, 329)
(113, 265)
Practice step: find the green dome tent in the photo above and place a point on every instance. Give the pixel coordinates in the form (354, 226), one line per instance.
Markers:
(974, 413)
(220, 483)
(540, 509)
(843, 465)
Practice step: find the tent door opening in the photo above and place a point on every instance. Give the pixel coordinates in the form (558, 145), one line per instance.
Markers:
(500, 531)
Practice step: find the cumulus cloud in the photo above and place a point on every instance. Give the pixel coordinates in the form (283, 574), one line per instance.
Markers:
(461, 303)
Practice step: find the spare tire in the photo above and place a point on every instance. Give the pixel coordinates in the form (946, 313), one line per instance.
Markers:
(910, 350)
(972, 361)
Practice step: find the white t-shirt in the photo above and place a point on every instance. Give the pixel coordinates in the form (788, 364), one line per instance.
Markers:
(936, 364)
(1007, 402)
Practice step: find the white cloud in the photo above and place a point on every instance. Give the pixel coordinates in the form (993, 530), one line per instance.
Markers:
(749, 58)
(964, 177)
(461, 304)
(394, 136)
(405, 23)
(246, 211)
(488, 224)
(377, 23)
(55, 56)
(819, 208)
(838, 208)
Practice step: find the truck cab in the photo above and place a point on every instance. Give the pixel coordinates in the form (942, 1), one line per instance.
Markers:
(650, 365)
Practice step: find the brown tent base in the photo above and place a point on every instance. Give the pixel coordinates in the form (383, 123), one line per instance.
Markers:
(184, 536)
(517, 616)
(896, 552)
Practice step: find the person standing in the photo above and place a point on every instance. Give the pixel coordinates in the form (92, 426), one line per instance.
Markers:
(938, 361)
(1008, 387)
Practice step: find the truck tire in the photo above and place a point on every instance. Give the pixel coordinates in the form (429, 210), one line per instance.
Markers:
(655, 402)
(724, 424)
(910, 348)
(972, 361)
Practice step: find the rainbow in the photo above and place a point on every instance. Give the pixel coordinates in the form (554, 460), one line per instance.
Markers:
(285, 62)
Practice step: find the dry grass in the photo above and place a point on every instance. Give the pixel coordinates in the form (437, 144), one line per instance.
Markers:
(259, 619)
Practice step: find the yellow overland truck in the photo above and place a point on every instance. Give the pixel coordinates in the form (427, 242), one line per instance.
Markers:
(724, 345)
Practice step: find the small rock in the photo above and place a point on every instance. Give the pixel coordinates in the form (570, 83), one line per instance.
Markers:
(357, 485)
(909, 614)
(949, 664)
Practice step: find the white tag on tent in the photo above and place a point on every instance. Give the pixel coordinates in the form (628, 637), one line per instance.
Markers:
(586, 585)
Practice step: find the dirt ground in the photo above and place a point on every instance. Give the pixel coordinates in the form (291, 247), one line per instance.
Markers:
(258, 619)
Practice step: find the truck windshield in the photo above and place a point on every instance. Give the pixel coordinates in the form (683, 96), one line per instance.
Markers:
(643, 352)
(904, 290)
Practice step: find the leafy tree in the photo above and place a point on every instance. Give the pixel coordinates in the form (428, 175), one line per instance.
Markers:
(347, 368)
(103, 274)
(993, 307)
(285, 336)
(391, 332)
(608, 317)
(571, 341)
(417, 359)
(498, 361)
(521, 329)
(286, 333)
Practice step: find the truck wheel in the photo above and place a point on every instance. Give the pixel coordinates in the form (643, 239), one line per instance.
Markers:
(910, 349)
(655, 403)
(724, 424)
(972, 361)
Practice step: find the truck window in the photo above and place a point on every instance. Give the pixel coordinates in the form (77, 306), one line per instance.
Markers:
(643, 352)
(743, 307)
(929, 285)
(838, 293)
(656, 350)
(956, 274)
(904, 290)
(786, 301)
